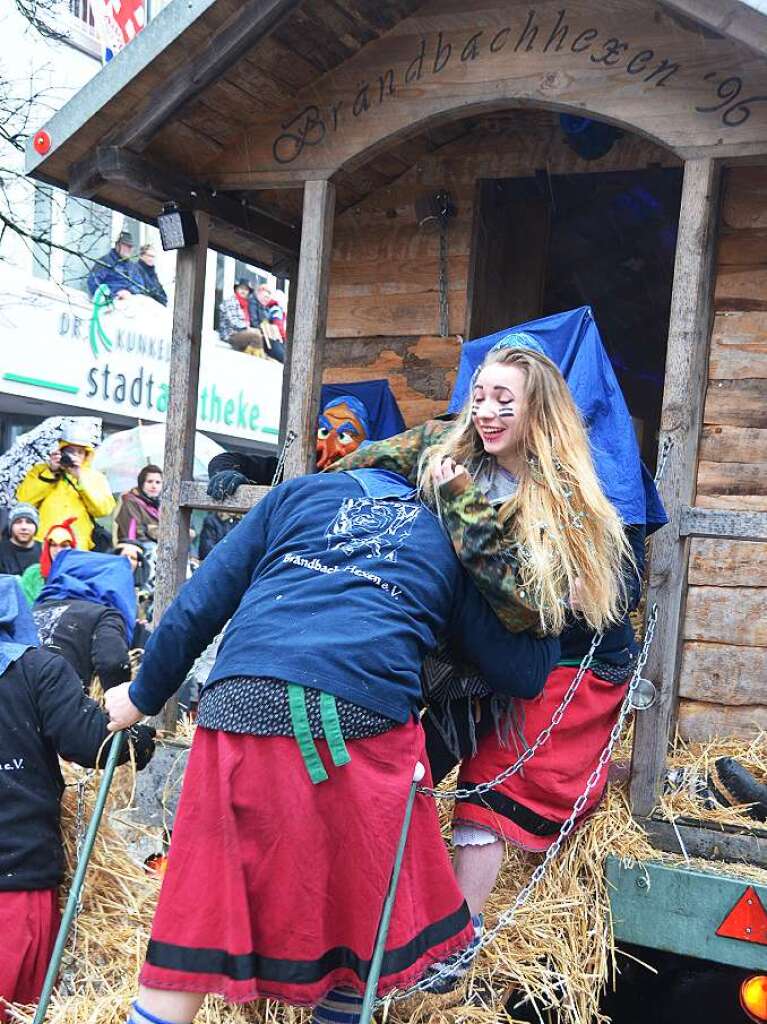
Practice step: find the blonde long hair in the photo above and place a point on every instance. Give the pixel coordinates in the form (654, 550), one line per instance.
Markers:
(559, 521)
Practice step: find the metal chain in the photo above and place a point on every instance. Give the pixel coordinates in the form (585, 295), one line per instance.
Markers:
(280, 467)
(668, 444)
(543, 736)
(443, 304)
(468, 955)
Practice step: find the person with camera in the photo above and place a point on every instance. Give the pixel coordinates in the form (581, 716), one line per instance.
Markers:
(68, 487)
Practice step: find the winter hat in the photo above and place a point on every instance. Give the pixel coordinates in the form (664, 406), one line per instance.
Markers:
(24, 511)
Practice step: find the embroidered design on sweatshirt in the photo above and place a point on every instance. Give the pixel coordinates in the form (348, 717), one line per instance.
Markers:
(375, 528)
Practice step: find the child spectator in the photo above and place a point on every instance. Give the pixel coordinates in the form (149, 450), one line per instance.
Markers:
(20, 550)
(60, 537)
(44, 715)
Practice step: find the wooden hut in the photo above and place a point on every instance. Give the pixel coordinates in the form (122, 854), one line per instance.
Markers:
(315, 135)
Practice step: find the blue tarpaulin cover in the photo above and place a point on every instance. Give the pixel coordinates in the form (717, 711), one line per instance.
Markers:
(384, 418)
(572, 341)
(18, 631)
(90, 576)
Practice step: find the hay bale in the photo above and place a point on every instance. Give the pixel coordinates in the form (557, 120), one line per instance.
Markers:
(559, 948)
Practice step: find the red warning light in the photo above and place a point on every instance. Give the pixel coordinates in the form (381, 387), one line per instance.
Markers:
(42, 142)
(746, 921)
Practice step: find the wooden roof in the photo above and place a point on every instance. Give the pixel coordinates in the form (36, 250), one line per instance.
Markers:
(209, 79)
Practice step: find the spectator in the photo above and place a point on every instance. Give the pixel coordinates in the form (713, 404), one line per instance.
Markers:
(60, 537)
(115, 270)
(138, 515)
(145, 275)
(87, 612)
(215, 527)
(278, 312)
(262, 313)
(20, 550)
(234, 326)
(44, 715)
(68, 487)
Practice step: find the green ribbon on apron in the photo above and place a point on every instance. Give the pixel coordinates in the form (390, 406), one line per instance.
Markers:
(331, 726)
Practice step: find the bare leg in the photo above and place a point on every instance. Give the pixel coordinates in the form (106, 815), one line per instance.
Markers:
(476, 869)
(175, 1007)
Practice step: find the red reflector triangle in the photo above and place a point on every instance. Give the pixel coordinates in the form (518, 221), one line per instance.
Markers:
(747, 920)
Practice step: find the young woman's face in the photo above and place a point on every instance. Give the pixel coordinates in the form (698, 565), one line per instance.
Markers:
(498, 406)
(152, 485)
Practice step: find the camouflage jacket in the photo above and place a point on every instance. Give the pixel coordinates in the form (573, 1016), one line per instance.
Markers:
(487, 551)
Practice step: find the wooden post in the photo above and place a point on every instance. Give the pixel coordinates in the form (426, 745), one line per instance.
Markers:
(290, 326)
(681, 419)
(180, 424)
(305, 364)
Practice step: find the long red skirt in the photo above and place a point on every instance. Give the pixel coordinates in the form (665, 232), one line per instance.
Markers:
(529, 808)
(29, 922)
(274, 885)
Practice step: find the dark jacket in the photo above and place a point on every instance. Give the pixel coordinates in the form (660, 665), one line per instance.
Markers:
(259, 469)
(15, 560)
(90, 636)
(214, 529)
(117, 273)
(342, 583)
(138, 517)
(148, 283)
(44, 715)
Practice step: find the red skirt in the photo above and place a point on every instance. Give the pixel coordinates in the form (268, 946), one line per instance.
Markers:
(29, 923)
(274, 885)
(529, 808)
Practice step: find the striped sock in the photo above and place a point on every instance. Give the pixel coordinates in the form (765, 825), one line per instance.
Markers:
(340, 1006)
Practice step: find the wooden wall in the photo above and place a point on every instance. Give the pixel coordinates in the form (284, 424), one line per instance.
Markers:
(723, 684)
(383, 311)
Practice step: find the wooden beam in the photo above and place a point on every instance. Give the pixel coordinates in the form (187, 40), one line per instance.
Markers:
(311, 316)
(713, 842)
(681, 421)
(710, 522)
(254, 20)
(194, 495)
(291, 272)
(729, 18)
(117, 166)
(180, 426)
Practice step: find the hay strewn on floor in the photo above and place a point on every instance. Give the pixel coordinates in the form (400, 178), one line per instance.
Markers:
(558, 948)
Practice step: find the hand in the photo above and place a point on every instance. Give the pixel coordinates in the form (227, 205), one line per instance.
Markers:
(54, 460)
(121, 709)
(141, 738)
(447, 470)
(224, 484)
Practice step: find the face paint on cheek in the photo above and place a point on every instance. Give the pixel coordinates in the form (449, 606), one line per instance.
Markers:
(506, 414)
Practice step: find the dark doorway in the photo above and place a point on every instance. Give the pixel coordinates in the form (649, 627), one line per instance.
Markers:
(549, 243)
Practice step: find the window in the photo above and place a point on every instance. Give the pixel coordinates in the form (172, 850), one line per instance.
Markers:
(41, 228)
(219, 295)
(88, 235)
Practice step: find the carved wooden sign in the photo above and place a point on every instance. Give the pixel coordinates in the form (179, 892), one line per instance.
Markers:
(627, 61)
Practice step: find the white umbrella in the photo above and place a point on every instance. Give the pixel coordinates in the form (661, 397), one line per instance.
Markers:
(125, 452)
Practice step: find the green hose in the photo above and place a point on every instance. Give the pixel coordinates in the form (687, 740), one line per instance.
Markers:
(79, 876)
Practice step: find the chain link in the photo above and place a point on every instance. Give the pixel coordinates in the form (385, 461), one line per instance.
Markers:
(668, 444)
(280, 467)
(468, 955)
(443, 304)
(543, 736)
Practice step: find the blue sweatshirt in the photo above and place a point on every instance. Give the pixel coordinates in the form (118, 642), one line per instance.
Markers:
(341, 582)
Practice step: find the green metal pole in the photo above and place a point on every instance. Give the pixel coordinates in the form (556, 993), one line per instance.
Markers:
(79, 877)
(371, 988)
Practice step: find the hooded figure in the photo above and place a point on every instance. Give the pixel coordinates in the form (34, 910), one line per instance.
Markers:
(68, 487)
(59, 537)
(87, 612)
(44, 715)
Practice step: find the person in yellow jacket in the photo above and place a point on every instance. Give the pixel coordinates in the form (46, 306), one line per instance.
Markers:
(68, 487)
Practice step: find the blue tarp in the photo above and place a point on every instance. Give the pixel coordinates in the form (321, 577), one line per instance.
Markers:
(90, 576)
(18, 631)
(573, 342)
(384, 418)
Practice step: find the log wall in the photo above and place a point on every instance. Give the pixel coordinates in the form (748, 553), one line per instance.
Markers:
(383, 312)
(723, 682)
